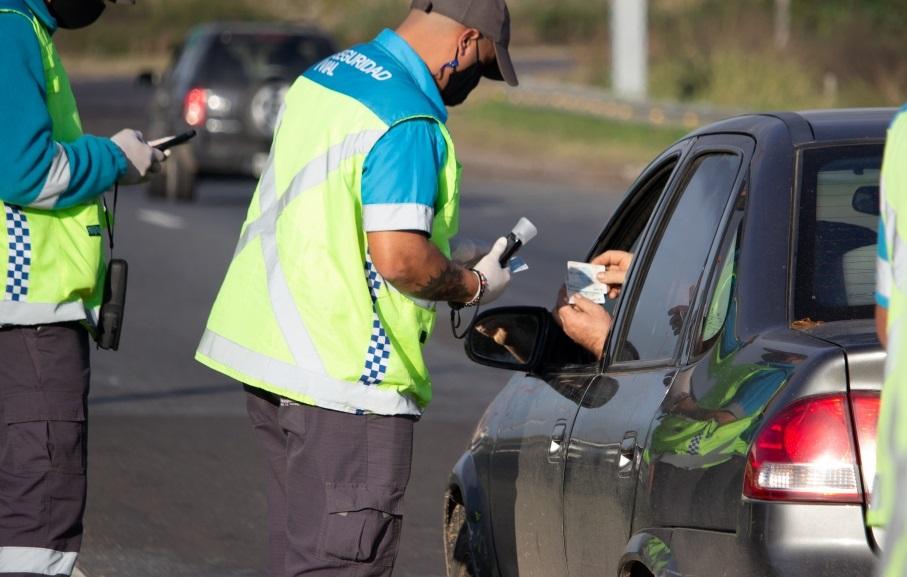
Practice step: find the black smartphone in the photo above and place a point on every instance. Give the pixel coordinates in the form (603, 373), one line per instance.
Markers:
(176, 140)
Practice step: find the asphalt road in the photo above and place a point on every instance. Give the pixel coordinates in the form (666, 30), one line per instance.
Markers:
(176, 486)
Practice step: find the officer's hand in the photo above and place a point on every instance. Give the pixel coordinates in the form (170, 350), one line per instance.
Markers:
(498, 277)
(143, 159)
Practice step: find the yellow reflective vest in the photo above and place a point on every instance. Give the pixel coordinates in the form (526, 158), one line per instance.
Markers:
(54, 258)
(887, 497)
(302, 312)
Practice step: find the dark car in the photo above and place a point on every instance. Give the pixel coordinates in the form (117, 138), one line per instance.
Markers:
(729, 428)
(227, 81)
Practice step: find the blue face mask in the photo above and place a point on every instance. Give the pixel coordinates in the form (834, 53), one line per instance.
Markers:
(73, 14)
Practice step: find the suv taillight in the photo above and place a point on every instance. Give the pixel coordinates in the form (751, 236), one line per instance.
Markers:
(195, 107)
(806, 452)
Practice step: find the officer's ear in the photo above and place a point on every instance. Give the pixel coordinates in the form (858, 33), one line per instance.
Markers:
(466, 38)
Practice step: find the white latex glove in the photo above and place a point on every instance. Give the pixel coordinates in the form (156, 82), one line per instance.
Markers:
(143, 159)
(498, 277)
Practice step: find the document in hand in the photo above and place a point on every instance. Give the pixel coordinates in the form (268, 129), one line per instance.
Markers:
(582, 278)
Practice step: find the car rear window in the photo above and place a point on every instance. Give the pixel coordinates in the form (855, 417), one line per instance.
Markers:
(838, 230)
(243, 58)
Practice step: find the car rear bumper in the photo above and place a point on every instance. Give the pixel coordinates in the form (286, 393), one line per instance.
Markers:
(784, 540)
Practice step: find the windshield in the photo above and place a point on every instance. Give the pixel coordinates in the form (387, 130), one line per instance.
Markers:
(241, 58)
(838, 229)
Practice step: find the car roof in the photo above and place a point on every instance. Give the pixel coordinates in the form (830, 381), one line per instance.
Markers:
(812, 126)
(260, 28)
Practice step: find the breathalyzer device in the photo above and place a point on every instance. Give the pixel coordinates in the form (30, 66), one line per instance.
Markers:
(523, 232)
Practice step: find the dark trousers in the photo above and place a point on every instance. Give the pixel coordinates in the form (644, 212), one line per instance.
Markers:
(335, 487)
(44, 375)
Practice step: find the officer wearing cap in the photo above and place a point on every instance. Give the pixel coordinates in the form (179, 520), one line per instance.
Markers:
(331, 293)
(51, 176)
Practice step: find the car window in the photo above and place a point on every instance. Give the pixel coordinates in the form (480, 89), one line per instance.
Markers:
(671, 278)
(240, 59)
(625, 231)
(716, 311)
(634, 224)
(838, 231)
(186, 58)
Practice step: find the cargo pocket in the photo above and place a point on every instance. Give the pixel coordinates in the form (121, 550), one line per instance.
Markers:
(44, 432)
(362, 524)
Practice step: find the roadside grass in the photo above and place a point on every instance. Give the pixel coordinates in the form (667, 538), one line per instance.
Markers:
(558, 141)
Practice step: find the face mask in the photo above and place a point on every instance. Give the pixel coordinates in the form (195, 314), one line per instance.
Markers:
(461, 82)
(72, 14)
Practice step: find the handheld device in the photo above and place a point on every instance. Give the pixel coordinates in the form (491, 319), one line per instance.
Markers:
(522, 233)
(110, 323)
(177, 140)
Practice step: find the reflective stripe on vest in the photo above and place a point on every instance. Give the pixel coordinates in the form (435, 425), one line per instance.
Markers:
(36, 560)
(53, 258)
(305, 315)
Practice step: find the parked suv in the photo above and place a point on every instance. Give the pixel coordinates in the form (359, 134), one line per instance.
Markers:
(729, 427)
(227, 81)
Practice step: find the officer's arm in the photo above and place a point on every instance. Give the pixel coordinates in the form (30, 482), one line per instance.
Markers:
(882, 325)
(36, 171)
(410, 262)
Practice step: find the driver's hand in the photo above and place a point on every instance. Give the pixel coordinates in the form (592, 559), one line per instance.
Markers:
(618, 263)
(584, 321)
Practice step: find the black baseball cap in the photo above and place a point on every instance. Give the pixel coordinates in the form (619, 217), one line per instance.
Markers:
(491, 18)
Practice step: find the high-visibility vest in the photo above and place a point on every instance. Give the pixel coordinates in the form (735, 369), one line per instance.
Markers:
(54, 258)
(892, 428)
(302, 312)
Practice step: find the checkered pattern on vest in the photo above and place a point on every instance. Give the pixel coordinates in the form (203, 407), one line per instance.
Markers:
(379, 348)
(693, 447)
(19, 249)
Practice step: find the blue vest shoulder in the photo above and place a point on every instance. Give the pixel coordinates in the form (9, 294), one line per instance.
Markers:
(372, 76)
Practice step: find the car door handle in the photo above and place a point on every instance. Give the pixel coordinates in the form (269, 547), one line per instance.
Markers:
(557, 438)
(627, 453)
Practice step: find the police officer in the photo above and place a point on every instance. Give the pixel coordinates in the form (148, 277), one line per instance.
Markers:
(890, 487)
(51, 176)
(330, 296)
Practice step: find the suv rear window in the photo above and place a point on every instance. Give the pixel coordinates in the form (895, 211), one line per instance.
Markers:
(838, 230)
(242, 58)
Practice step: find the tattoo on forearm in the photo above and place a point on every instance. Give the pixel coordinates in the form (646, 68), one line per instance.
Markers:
(447, 285)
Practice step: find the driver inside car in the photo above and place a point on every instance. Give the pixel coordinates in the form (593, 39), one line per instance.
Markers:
(584, 321)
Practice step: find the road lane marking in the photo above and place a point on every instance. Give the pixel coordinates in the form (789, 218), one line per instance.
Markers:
(161, 219)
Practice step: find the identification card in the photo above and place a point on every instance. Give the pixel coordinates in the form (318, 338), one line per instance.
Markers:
(582, 279)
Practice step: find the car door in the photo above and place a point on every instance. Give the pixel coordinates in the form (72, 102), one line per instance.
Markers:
(609, 433)
(527, 464)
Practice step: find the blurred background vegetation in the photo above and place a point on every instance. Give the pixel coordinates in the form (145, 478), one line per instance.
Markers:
(721, 52)
(717, 53)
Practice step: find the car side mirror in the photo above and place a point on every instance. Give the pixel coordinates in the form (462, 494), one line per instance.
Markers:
(146, 78)
(510, 338)
(866, 200)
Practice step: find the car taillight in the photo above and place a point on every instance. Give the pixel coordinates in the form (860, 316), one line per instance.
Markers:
(865, 407)
(195, 107)
(806, 453)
